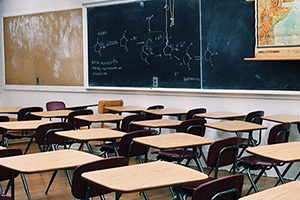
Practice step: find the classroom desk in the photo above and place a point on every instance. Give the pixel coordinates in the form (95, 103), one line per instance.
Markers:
(93, 134)
(21, 126)
(120, 109)
(45, 161)
(107, 117)
(220, 115)
(288, 191)
(285, 152)
(9, 110)
(158, 123)
(166, 111)
(176, 140)
(283, 118)
(237, 126)
(53, 114)
(145, 176)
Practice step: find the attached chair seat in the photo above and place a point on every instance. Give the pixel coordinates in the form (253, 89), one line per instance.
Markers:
(189, 189)
(11, 134)
(245, 143)
(4, 197)
(256, 163)
(175, 155)
(108, 147)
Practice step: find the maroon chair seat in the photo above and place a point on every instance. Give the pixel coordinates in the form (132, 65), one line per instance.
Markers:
(221, 153)
(45, 135)
(253, 117)
(126, 126)
(175, 155)
(76, 124)
(23, 115)
(227, 188)
(4, 197)
(256, 162)
(79, 185)
(4, 172)
(192, 126)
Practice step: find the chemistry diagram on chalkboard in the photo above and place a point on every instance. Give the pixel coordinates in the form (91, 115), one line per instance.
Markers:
(150, 41)
(132, 43)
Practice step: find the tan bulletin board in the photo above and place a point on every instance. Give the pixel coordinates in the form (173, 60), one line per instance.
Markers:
(44, 49)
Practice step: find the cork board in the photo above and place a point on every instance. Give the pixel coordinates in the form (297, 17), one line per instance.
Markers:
(44, 49)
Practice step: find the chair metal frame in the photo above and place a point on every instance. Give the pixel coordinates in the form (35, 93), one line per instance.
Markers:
(277, 134)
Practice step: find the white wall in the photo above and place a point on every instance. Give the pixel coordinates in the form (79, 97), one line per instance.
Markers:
(214, 100)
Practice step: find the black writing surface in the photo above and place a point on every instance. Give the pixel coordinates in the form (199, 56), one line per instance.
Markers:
(133, 44)
(228, 36)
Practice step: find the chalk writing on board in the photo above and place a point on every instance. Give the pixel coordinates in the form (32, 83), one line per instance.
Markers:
(151, 39)
(208, 55)
(139, 38)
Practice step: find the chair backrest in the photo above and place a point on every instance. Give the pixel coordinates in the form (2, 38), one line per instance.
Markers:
(4, 172)
(76, 124)
(45, 134)
(127, 125)
(255, 117)
(24, 113)
(128, 149)
(55, 105)
(103, 104)
(194, 126)
(225, 188)
(191, 113)
(222, 152)
(152, 116)
(79, 185)
(279, 133)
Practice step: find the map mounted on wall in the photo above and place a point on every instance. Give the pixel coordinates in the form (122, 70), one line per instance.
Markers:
(277, 28)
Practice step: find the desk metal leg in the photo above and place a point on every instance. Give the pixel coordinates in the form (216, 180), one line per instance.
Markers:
(87, 190)
(115, 148)
(279, 174)
(89, 147)
(198, 163)
(25, 186)
(12, 189)
(51, 181)
(284, 172)
(178, 191)
(118, 195)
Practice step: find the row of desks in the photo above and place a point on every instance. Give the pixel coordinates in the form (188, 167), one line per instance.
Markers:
(230, 126)
(147, 176)
(141, 176)
(281, 118)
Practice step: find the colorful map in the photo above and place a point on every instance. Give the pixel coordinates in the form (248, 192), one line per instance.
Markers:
(277, 22)
(277, 25)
